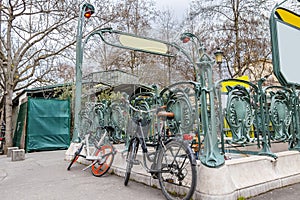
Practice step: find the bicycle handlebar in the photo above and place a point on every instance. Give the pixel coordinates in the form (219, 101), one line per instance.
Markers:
(160, 111)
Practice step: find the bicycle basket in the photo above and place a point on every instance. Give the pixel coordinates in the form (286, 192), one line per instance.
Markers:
(136, 129)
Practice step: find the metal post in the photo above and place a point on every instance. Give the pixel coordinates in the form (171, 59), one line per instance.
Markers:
(78, 83)
(296, 111)
(211, 156)
(264, 123)
(220, 69)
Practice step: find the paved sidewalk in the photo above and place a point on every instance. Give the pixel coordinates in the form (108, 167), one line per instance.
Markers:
(43, 176)
(291, 192)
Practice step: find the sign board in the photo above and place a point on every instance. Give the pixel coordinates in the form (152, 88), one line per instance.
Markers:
(234, 83)
(285, 32)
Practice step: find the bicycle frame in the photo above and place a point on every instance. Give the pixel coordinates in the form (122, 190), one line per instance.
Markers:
(147, 156)
(158, 146)
(89, 156)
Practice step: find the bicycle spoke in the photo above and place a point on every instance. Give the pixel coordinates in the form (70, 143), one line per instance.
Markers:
(178, 175)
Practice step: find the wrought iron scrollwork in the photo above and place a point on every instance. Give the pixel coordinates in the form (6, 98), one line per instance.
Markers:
(280, 115)
(239, 114)
(180, 105)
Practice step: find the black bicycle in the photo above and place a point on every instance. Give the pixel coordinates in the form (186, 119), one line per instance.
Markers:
(172, 161)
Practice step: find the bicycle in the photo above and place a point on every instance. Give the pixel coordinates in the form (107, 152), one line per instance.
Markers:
(102, 156)
(104, 152)
(173, 162)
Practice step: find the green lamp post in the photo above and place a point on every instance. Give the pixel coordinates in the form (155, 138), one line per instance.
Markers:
(211, 156)
(86, 11)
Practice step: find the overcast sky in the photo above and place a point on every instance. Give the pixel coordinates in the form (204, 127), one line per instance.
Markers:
(178, 6)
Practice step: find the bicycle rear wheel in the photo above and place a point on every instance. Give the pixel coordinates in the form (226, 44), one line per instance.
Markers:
(106, 154)
(76, 156)
(131, 156)
(178, 174)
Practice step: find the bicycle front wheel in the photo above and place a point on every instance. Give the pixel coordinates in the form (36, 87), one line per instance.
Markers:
(131, 156)
(178, 175)
(106, 154)
(76, 156)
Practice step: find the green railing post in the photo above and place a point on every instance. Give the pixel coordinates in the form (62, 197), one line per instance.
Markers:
(296, 112)
(211, 156)
(264, 123)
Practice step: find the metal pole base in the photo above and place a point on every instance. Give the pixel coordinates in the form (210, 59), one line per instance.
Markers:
(212, 160)
(266, 151)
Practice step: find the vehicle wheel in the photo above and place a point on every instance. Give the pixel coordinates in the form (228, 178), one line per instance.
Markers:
(106, 154)
(178, 175)
(131, 156)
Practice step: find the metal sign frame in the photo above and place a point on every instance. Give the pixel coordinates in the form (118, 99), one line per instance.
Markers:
(278, 68)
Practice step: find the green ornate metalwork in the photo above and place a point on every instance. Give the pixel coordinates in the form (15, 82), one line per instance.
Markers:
(295, 125)
(239, 114)
(245, 109)
(177, 97)
(118, 117)
(179, 102)
(211, 156)
(193, 102)
(264, 122)
(280, 113)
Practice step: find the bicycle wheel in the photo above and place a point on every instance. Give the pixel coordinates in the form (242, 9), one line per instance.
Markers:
(131, 156)
(76, 156)
(106, 154)
(178, 175)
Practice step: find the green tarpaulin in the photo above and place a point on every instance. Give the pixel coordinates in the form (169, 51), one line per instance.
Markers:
(18, 140)
(47, 126)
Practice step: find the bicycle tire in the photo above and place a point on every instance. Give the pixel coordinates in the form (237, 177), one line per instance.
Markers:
(76, 156)
(131, 155)
(102, 166)
(178, 174)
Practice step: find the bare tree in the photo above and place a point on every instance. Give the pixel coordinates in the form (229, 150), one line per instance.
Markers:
(168, 27)
(240, 28)
(136, 17)
(35, 37)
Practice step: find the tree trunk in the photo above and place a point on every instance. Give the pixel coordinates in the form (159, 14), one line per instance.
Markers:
(8, 119)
